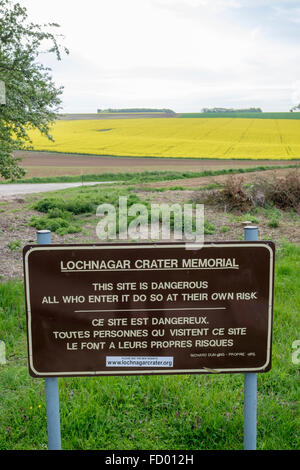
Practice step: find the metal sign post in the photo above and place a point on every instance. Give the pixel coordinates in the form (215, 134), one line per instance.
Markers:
(51, 383)
(250, 380)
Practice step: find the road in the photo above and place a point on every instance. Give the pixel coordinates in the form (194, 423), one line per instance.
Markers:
(9, 190)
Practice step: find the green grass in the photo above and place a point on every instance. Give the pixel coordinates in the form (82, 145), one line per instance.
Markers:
(209, 228)
(294, 115)
(179, 188)
(241, 218)
(273, 223)
(145, 176)
(14, 245)
(66, 211)
(144, 412)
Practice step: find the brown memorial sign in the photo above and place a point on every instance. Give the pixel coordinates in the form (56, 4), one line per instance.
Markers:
(121, 309)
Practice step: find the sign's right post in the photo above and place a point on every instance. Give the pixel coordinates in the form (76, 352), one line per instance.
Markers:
(250, 380)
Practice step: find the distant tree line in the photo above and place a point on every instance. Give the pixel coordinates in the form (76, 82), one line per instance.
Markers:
(231, 110)
(135, 110)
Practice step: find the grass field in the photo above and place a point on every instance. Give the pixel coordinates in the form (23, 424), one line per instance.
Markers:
(146, 176)
(170, 412)
(236, 114)
(225, 138)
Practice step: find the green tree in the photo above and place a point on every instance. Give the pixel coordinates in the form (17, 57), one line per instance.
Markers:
(295, 108)
(32, 98)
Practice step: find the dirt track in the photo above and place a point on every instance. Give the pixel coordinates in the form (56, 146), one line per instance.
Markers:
(8, 191)
(205, 180)
(54, 164)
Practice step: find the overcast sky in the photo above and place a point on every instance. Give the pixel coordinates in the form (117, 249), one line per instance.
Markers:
(178, 54)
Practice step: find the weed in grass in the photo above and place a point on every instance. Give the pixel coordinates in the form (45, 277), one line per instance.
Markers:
(273, 223)
(209, 228)
(272, 212)
(243, 218)
(14, 245)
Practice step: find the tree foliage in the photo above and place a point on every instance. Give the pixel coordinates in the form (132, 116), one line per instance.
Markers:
(32, 98)
(295, 108)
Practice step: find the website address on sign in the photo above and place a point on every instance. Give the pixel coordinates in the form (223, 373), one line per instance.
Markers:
(138, 361)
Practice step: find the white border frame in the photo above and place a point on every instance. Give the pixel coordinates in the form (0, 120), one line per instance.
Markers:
(145, 372)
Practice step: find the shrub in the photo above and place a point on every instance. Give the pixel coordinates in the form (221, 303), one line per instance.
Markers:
(273, 223)
(59, 213)
(46, 204)
(75, 205)
(278, 192)
(282, 192)
(80, 206)
(233, 195)
(209, 228)
(55, 224)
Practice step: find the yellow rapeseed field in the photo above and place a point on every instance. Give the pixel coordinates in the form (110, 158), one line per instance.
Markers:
(190, 138)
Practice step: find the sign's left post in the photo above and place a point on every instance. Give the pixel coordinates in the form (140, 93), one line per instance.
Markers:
(51, 383)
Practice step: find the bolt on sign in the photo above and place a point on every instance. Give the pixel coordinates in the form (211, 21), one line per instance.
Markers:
(125, 309)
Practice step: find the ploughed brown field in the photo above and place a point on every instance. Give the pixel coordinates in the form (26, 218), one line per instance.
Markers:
(60, 164)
